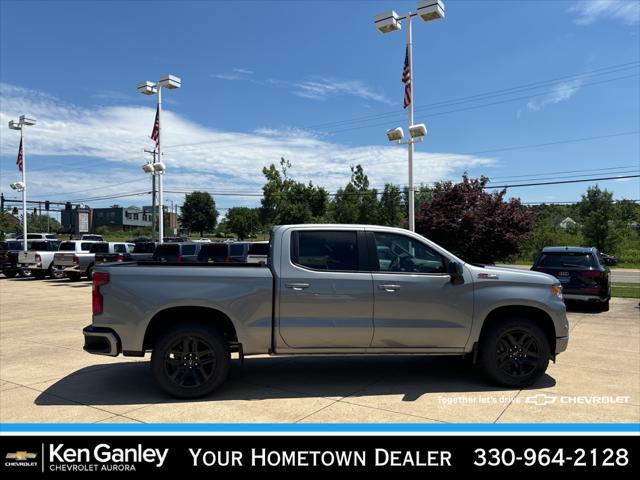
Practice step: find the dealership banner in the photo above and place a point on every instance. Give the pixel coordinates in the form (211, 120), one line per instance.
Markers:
(52, 456)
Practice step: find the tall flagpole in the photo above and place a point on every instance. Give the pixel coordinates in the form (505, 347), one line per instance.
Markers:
(160, 177)
(412, 219)
(24, 190)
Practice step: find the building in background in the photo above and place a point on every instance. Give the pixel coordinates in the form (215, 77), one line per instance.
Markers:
(121, 218)
(76, 221)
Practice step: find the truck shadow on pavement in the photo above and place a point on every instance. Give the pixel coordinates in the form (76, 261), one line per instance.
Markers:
(130, 383)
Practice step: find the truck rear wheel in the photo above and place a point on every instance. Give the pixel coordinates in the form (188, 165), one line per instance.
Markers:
(190, 361)
(514, 352)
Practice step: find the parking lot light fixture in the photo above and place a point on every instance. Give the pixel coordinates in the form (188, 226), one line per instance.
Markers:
(20, 124)
(170, 82)
(389, 22)
(395, 134)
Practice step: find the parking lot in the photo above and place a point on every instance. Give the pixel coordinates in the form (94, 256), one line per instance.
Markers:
(47, 377)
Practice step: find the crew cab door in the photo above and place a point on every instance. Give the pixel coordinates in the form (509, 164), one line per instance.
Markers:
(416, 305)
(325, 290)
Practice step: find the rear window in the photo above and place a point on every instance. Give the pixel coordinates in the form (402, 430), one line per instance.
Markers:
(259, 249)
(237, 249)
(566, 260)
(188, 249)
(68, 246)
(167, 251)
(145, 247)
(39, 246)
(85, 246)
(213, 250)
(14, 245)
(50, 237)
(334, 251)
(97, 247)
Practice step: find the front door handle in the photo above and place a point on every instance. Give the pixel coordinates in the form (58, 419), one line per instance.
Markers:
(389, 288)
(297, 286)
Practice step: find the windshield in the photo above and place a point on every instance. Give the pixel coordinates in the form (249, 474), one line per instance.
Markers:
(67, 246)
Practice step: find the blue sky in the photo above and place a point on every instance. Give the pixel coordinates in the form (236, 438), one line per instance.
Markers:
(316, 83)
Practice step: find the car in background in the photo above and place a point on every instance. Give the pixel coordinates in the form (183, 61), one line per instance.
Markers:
(9, 250)
(143, 251)
(238, 251)
(609, 260)
(258, 252)
(38, 236)
(214, 253)
(113, 252)
(582, 272)
(203, 240)
(38, 259)
(66, 261)
(175, 239)
(176, 252)
(92, 237)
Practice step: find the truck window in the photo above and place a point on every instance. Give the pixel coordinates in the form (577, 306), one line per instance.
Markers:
(38, 246)
(566, 260)
(259, 249)
(144, 247)
(68, 247)
(399, 253)
(85, 246)
(102, 247)
(120, 248)
(188, 250)
(237, 249)
(321, 250)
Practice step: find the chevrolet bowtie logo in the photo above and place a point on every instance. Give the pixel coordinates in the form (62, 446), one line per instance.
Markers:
(21, 456)
(540, 399)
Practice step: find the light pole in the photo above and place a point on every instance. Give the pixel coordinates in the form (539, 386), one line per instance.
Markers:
(154, 205)
(150, 88)
(391, 22)
(19, 124)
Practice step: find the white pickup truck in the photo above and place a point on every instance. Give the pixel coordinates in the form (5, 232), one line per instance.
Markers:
(39, 258)
(66, 260)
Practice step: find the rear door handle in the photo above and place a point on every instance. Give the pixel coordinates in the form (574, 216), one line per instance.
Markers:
(389, 288)
(297, 286)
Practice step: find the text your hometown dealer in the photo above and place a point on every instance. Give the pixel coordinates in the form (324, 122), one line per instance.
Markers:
(103, 453)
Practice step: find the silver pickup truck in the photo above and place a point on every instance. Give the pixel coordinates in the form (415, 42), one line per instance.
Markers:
(325, 290)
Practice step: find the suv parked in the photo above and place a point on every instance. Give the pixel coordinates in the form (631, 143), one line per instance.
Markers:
(582, 272)
(214, 253)
(176, 252)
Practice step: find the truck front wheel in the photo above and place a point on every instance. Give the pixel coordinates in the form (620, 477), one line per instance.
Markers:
(514, 352)
(190, 361)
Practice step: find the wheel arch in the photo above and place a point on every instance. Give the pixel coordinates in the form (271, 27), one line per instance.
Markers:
(537, 315)
(206, 316)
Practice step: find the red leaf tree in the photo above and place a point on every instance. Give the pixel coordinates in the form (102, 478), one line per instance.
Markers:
(472, 223)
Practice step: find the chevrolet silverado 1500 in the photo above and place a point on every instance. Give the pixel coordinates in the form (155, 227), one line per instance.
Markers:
(326, 290)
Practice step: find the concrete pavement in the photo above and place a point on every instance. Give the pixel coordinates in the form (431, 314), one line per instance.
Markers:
(45, 376)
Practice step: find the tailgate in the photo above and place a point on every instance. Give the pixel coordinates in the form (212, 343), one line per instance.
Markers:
(63, 259)
(107, 257)
(28, 257)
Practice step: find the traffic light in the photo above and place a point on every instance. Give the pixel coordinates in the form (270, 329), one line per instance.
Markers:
(35, 211)
(46, 205)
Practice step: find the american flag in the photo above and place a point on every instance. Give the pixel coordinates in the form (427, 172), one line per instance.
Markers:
(20, 160)
(406, 79)
(155, 133)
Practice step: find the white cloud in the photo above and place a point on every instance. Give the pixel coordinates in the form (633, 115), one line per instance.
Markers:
(322, 88)
(197, 157)
(559, 93)
(589, 11)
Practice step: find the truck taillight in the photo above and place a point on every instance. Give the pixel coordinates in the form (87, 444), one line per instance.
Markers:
(120, 258)
(38, 258)
(227, 260)
(75, 260)
(180, 258)
(99, 279)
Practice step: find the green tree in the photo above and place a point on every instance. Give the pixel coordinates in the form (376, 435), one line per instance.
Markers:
(596, 217)
(243, 221)
(391, 208)
(199, 212)
(42, 223)
(286, 201)
(356, 202)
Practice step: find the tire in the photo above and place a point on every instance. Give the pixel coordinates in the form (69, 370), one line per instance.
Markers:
(190, 377)
(55, 273)
(514, 352)
(38, 275)
(90, 273)
(25, 273)
(10, 273)
(603, 306)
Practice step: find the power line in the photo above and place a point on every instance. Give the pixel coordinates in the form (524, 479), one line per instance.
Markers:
(563, 182)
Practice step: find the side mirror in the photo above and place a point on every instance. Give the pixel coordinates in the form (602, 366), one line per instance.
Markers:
(454, 269)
